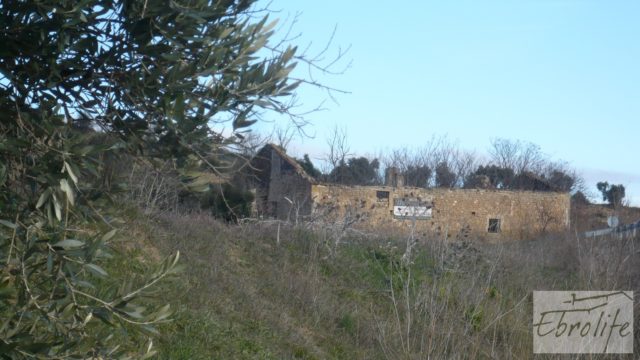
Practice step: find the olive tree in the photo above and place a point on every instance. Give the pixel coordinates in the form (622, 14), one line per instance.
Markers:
(144, 77)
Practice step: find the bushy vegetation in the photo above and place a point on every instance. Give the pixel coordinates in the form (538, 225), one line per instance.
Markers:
(228, 202)
(613, 194)
(511, 165)
(264, 291)
(56, 299)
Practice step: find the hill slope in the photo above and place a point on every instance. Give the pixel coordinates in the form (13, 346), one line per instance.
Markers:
(259, 292)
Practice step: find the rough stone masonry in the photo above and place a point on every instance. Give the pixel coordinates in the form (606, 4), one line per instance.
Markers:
(284, 191)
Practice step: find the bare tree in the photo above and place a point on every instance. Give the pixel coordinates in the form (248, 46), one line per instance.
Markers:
(252, 142)
(444, 151)
(545, 218)
(504, 152)
(530, 158)
(397, 158)
(339, 149)
(465, 164)
(518, 155)
(418, 165)
(282, 136)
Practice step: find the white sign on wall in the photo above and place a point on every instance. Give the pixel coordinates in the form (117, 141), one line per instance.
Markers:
(411, 209)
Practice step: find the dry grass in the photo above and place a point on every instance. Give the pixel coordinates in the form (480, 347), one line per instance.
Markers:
(254, 291)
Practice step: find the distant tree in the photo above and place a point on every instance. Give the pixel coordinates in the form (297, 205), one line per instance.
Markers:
(417, 176)
(308, 167)
(527, 181)
(339, 151)
(556, 181)
(475, 181)
(464, 165)
(561, 181)
(580, 198)
(499, 177)
(444, 176)
(613, 194)
(356, 171)
(252, 142)
(516, 155)
(282, 136)
(561, 176)
(603, 187)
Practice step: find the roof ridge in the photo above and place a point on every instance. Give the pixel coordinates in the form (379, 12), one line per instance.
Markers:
(298, 168)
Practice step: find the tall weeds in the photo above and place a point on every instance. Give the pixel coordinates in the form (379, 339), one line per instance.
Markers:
(298, 296)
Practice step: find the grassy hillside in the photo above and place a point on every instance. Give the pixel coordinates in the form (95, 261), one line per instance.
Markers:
(256, 292)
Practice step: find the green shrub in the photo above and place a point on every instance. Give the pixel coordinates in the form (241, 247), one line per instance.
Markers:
(228, 202)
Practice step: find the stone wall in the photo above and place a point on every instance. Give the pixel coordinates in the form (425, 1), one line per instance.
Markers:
(289, 193)
(453, 213)
(285, 191)
(282, 189)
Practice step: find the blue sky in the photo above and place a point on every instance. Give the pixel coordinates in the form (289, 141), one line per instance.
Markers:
(559, 73)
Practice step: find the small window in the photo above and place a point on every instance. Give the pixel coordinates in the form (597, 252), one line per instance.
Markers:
(494, 226)
(382, 195)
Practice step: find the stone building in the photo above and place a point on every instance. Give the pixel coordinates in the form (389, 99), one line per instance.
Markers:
(285, 191)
